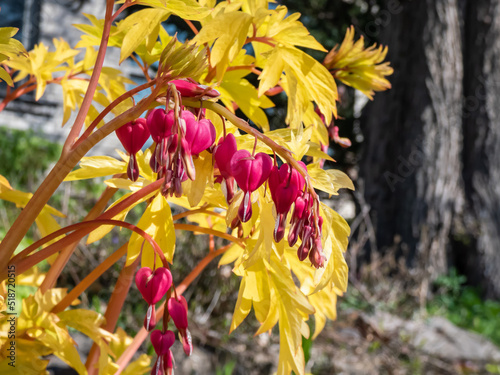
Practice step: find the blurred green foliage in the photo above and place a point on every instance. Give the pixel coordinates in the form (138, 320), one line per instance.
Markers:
(463, 306)
(25, 156)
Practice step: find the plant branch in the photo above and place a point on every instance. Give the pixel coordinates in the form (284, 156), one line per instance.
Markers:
(192, 26)
(55, 269)
(196, 228)
(94, 81)
(89, 279)
(23, 264)
(115, 305)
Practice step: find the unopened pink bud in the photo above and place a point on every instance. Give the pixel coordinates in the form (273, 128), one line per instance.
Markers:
(190, 89)
(316, 255)
(178, 311)
(223, 154)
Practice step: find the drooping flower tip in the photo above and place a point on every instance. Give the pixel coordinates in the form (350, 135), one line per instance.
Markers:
(177, 308)
(194, 90)
(150, 319)
(225, 150)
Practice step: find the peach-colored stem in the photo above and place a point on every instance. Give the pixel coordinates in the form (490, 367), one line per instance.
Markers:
(191, 26)
(113, 310)
(197, 211)
(196, 228)
(142, 334)
(62, 259)
(94, 81)
(26, 263)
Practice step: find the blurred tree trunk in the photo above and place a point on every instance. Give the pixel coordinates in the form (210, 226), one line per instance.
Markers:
(431, 163)
(481, 148)
(411, 165)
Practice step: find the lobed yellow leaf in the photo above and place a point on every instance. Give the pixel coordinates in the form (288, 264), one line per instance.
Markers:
(157, 222)
(335, 240)
(227, 32)
(187, 9)
(194, 190)
(293, 308)
(329, 181)
(245, 95)
(359, 67)
(289, 30)
(137, 27)
(97, 166)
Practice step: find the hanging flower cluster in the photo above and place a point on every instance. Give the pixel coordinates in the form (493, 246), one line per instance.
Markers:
(180, 134)
(154, 285)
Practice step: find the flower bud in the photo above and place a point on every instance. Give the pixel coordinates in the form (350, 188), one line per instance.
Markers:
(223, 154)
(178, 312)
(192, 90)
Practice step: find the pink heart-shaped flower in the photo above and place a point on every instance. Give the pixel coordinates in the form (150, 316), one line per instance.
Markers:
(200, 135)
(153, 285)
(250, 172)
(160, 124)
(133, 135)
(162, 342)
(223, 154)
(285, 184)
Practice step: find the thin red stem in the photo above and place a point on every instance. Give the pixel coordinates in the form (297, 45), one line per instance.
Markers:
(261, 39)
(109, 108)
(23, 264)
(89, 279)
(192, 27)
(94, 81)
(196, 228)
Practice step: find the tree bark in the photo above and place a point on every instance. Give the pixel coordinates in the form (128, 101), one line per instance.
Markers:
(480, 258)
(411, 165)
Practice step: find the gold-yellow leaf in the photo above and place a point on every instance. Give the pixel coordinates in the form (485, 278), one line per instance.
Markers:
(157, 222)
